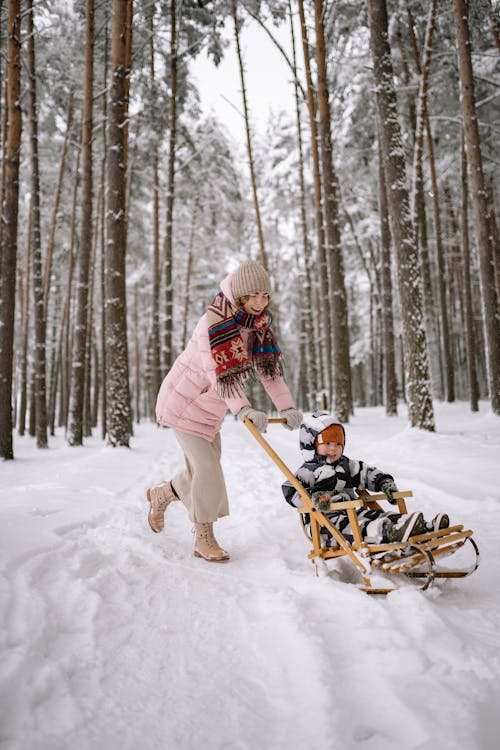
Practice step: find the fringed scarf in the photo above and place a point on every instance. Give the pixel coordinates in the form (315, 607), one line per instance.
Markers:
(233, 366)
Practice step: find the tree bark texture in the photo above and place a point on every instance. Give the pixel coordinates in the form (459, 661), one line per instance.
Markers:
(388, 345)
(9, 235)
(324, 338)
(469, 311)
(77, 391)
(168, 354)
(155, 360)
(39, 322)
(478, 188)
(310, 375)
(118, 390)
(420, 409)
(419, 212)
(341, 369)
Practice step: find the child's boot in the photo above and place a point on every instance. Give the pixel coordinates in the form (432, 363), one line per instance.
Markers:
(159, 498)
(206, 545)
(441, 521)
(409, 525)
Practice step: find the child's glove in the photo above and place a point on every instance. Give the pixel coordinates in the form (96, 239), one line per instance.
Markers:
(321, 499)
(388, 487)
(293, 418)
(258, 418)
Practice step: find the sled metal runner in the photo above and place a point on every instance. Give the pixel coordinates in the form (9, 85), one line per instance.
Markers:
(414, 559)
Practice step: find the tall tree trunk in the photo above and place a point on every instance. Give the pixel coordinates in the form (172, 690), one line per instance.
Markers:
(418, 200)
(89, 344)
(103, 363)
(137, 357)
(388, 344)
(495, 238)
(55, 207)
(3, 136)
(36, 249)
(341, 370)
(77, 392)
(168, 354)
(420, 410)
(155, 355)
(479, 203)
(469, 310)
(66, 352)
(25, 319)
(9, 238)
(423, 121)
(118, 390)
(260, 234)
(324, 338)
(307, 311)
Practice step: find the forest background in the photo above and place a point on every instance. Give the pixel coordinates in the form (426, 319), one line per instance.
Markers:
(372, 201)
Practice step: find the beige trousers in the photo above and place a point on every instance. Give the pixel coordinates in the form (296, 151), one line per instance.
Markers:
(201, 485)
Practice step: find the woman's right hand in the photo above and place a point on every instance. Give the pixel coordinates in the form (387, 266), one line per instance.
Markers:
(258, 418)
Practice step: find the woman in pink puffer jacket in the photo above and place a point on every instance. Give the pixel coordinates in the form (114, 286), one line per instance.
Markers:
(232, 342)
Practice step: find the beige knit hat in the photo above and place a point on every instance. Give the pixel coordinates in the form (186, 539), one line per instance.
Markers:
(249, 278)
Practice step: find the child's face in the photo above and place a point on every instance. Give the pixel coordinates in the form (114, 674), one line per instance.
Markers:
(332, 450)
(256, 303)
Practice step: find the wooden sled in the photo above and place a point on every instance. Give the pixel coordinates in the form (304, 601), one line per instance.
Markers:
(414, 559)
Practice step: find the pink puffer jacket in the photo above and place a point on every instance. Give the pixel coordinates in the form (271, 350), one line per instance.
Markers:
(188, 399)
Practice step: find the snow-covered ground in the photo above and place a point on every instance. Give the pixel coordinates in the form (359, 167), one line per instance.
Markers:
(114, 637)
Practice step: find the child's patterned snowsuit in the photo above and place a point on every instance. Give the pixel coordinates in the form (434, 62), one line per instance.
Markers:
(343, 477)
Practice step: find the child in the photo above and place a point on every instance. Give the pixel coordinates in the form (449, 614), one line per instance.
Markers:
(330, 476)
(232, 342)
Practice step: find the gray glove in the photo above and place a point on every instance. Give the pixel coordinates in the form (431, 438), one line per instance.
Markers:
(293, 418)
(258, 418)
(388, 487)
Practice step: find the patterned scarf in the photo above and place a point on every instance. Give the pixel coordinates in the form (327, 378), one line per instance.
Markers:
(233, 366)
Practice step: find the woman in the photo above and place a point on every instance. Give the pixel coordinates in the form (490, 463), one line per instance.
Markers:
(231, 343)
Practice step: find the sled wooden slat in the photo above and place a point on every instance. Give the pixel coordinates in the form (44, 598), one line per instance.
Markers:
(337, 506)
(412, 559)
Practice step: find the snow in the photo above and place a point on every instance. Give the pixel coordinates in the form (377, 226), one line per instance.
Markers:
(114, 637)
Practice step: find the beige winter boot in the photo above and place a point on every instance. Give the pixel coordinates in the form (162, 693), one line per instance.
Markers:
(159, 498)
(205, 544)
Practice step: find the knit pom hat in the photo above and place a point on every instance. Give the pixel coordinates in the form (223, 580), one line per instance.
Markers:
(249, 278)
(332, 434)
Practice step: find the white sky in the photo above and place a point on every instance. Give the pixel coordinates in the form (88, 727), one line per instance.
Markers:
(268, 79)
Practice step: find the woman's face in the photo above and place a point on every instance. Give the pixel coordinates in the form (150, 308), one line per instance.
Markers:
(256, 303)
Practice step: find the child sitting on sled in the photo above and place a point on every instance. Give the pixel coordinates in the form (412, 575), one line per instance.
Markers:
(329, 476)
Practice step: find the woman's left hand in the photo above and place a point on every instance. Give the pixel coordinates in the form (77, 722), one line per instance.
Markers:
(293, 418)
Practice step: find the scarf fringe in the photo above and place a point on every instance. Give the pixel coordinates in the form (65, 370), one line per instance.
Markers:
(232, 384)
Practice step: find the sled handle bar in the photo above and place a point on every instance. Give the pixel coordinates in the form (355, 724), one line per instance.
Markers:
(277, 460)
